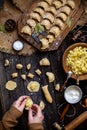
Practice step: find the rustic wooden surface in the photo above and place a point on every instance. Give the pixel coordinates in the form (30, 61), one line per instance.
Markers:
(7, 39)
(51, 110)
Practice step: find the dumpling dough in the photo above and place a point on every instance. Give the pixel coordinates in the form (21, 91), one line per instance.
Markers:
(49, 1)
(55, 30)
(28, 104)
(11, 85)
(39, 10)
(31, 22)
(66, 10)
(46, 23)
(59, 23)
(35, 16)
(71, 4)
(19, 66)
(43, 5)
(44, 43)
(51, 76)
(49, 16)
(50, 38)
(57, 4)
(44, 62)
(42, 105)
(26, 29)
(62, 16)
(52, 10)
(33, 86)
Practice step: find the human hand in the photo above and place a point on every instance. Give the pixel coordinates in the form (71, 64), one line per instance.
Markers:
(35, 115)
(20, 103)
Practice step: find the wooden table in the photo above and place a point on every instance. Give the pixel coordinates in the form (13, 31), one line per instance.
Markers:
(51, 110)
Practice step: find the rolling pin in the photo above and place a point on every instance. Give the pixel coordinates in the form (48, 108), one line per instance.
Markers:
(73, 124)
(76, 122)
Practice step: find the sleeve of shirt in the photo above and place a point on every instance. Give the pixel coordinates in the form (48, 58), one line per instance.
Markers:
(36, 126)
(9, 120)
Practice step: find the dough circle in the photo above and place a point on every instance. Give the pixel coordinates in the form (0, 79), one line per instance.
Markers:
(33, 86)
(11, 85)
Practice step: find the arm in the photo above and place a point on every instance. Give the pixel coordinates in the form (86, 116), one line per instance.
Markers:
(9, 120)
(35, 118)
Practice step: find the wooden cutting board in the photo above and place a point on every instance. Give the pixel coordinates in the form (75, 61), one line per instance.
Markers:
(74, 16)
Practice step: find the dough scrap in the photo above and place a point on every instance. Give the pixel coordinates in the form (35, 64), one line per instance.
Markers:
(51, 76)
(7, 63)
(30, 75)
(57, 87)
(14, 75)
(42, 105)
(10, 85)
(44, 62)
(33, 86)
(23, 76)
(28, 66)
(38, 72)
(19, 66)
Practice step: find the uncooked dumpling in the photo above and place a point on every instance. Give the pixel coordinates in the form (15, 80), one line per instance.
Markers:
(50, 38)
(55, 30)
(31, 22)
(49, 1)
(59, 23)
(33, 86)
(44, 43)
(62, 16)
(71, 3)
(43, 5)
(49, 16)
(35, 16)
(57, 4)
(66, 10)
(52, 10)
(46, 23)
(26, 29)
(28, 104)
(39, 10)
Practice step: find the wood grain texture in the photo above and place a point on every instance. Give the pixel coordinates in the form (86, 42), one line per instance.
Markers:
(51, 110)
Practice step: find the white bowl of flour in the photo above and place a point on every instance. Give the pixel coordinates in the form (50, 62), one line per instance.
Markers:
(73, 94)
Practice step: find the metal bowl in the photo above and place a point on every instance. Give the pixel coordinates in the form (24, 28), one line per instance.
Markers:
(73, 94)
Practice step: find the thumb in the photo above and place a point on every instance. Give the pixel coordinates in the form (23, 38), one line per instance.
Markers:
(22, 106)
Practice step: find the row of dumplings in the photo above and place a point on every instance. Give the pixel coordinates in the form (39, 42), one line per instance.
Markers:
(53, 22)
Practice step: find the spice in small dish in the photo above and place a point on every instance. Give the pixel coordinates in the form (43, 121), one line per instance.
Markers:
(10, 25)
(18, 45)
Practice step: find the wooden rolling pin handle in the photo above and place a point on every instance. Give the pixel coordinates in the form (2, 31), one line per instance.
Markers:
(76, 122)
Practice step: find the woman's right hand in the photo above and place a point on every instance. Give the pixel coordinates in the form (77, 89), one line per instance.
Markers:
(35, 115)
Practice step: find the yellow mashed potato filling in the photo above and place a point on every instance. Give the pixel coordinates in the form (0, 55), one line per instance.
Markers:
(77, 60)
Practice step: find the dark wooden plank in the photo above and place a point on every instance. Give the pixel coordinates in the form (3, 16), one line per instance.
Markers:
(51, 110)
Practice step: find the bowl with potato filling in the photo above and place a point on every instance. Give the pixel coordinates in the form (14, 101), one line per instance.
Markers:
(75, 59)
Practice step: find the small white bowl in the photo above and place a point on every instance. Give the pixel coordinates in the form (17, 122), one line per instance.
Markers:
(73, 94)
(18, 45)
